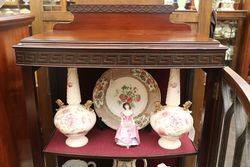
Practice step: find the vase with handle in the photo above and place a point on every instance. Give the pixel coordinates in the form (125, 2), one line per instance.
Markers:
(171, 121)
(74, 120)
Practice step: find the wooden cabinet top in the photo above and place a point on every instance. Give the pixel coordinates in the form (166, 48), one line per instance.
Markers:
(107, 36)
(119, 39)
(8, 21)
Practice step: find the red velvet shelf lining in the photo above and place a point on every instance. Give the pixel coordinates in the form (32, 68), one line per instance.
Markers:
(101, 144)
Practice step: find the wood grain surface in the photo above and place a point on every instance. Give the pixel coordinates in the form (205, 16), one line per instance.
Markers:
(14, 144)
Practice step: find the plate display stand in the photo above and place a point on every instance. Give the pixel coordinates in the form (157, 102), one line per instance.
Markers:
(121, 36)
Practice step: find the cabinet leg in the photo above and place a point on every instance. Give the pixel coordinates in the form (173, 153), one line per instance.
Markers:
(33, 116)
(44, 103)
(209, 145)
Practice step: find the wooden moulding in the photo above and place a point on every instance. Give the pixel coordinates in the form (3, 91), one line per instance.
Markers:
(121, 8)
(122, 36)
(16, 20)
(119, 55)
(121, 17)
(118, 60)
(232, 15)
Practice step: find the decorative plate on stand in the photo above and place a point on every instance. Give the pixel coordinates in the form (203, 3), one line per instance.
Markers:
(118, 86)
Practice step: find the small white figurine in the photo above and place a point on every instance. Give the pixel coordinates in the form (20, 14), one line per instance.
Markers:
(127, 133)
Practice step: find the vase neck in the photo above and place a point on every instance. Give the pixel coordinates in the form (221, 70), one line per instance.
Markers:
(73, 88)
(173, 91)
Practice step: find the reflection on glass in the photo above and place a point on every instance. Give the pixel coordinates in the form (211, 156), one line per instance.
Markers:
(225, 32)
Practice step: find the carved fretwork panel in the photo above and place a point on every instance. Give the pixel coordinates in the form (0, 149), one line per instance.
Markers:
(119, 59)
(121, 8)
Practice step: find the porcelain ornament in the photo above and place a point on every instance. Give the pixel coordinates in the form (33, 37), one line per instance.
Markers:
(74, 120)
(172, 121)
(127, 133)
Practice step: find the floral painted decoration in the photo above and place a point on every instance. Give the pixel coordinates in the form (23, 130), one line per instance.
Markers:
(119, 86)
(98, 94)
(145, 78)
(128, 94)
(141, 120)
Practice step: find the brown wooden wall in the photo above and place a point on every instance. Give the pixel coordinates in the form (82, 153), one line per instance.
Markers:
(14, 138)
(244, 63)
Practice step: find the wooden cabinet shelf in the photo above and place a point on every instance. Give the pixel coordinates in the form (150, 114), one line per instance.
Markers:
(102, 145)
(121, 36)
(227, 41)
(232, 15)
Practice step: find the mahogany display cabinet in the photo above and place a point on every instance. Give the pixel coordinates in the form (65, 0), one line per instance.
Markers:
(124, 36)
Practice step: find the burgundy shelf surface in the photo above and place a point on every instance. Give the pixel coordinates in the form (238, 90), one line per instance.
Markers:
(102, 145)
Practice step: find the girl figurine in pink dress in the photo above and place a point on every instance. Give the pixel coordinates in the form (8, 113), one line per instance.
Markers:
(127, 133)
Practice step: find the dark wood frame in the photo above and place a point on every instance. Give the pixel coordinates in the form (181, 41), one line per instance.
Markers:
(157, 58)
(33, 53)
(212, 119)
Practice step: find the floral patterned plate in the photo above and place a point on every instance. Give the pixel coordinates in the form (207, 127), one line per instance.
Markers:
(118, 86)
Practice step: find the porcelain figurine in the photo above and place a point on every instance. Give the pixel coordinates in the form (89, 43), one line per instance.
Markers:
(74, 120)
(172, 121)
(182, 4)
(127, 133)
